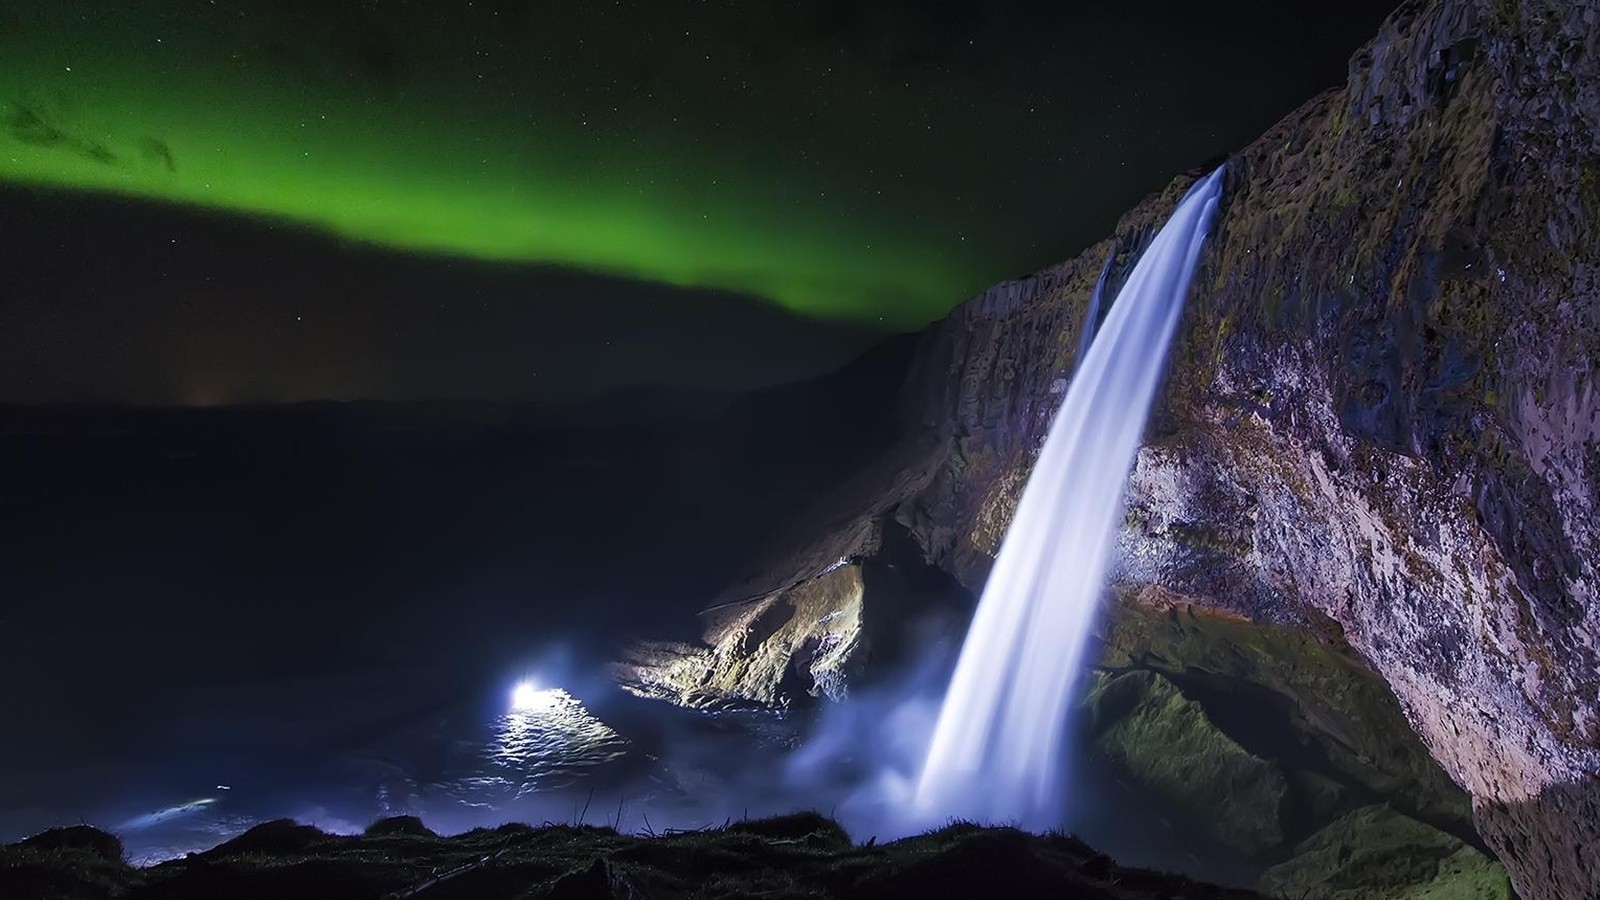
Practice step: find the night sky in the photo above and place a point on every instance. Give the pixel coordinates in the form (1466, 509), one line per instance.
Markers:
(208, 201)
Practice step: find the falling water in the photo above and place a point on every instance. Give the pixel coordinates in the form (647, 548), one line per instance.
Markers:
(1091, 320)
(996, 750)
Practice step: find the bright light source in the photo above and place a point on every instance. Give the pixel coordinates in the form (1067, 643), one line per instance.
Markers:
(524, 695)
(527, 697)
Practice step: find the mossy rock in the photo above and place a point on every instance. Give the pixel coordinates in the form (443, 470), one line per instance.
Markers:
(1311, 704)
(1465, 875)
(1164, 742)
(1284, 746)
(1376, 853)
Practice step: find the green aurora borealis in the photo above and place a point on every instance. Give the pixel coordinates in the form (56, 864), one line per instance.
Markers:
(194, 111)
(280, 200)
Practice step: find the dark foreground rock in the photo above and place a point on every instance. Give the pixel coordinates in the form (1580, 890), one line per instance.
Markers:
(802, 855)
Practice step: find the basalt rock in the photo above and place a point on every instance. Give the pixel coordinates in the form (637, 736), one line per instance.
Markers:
(1382, 410)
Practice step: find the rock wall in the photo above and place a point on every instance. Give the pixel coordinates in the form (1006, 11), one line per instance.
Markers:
(761, 652)
(1278, 745)
(1382, 411)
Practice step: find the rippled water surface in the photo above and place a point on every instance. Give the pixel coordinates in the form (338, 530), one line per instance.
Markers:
(542, 745)
(542, 755)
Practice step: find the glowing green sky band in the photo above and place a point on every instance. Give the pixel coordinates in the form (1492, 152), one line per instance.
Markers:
(419, 177)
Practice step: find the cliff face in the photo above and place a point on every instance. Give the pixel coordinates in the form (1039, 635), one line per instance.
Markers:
(1382, 419)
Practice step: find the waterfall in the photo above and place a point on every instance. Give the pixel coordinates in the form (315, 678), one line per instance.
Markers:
(996, 751)
(1091, 319)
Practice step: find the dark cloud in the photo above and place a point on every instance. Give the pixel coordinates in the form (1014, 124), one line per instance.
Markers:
(30, 125)
(156, 150)
(121, 302)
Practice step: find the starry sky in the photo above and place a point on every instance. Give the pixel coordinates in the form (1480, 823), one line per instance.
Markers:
(213, 201)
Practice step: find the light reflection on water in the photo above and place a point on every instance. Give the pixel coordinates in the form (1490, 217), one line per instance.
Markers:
(542, 745)
(547, 742)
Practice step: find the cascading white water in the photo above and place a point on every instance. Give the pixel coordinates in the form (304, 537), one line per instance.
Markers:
(996, 751)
